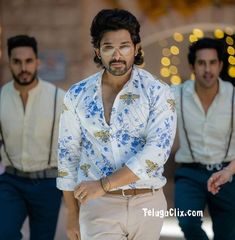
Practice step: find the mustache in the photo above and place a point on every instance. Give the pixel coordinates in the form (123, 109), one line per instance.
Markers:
(117, 61)
(23, 72)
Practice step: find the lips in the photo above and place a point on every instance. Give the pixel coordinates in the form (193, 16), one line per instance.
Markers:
(24, 75)
(117, 63)
(208, 76)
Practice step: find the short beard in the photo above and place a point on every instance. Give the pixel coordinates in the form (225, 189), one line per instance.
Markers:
(24, 83)
(116, 72)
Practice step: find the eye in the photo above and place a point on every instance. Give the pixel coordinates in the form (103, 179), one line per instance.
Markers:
(30, 60)
(16, 61)
(107, 48)
(125, 49)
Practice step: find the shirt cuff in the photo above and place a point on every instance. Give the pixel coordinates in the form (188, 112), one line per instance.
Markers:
(137, 168)
(65, 184)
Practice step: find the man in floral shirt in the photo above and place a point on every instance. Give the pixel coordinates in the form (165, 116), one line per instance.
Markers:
(116, 133)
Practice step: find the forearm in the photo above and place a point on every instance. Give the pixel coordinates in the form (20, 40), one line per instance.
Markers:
(121, 177)
(71, 202)
(231, 167)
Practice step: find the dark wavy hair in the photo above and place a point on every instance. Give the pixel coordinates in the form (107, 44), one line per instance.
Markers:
(21, 41)
(112, 20)
(203, 43)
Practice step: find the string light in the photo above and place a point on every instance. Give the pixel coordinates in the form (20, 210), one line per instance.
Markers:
(198, 32)
(174, 50)
(218, 33)
(178, 37)
(230, 50)
(165, 61)
(176, 80)
(165, 72)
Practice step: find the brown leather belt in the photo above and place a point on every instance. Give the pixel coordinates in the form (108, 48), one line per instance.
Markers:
(132, 192)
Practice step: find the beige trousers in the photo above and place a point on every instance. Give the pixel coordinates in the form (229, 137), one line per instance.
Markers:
(114, 217)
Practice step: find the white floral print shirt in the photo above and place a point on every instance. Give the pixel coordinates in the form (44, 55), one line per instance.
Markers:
(140, 134)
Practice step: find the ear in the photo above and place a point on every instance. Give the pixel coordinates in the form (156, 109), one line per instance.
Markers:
(191, 67)
(97, 52)
(38, 62)
(137, 47)
(221, 65)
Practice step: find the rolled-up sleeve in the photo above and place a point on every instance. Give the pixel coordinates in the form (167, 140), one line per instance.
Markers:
(160, 132)
(68, 146)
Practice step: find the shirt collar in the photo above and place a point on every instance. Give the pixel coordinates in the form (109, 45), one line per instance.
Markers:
(135, 75)
(190, 88)
(31, 91)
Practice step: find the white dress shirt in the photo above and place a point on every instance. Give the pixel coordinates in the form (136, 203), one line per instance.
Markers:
(27, 133)
(209, 132)
(140, 134)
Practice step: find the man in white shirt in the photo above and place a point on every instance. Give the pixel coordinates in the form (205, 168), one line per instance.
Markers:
(29, 117)
(116, 133)
(205, 109)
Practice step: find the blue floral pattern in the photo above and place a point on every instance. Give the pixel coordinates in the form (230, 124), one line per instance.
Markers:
(140, 134)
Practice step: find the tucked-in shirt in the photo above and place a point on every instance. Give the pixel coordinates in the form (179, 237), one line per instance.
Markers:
(27, 132)
(209, 132)
(139, 136)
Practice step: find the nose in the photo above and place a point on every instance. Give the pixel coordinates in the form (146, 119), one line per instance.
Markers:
(116, 54)
(208, 68)
(23, 67)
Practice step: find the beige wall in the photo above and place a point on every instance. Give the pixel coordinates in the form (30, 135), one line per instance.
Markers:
(63, 25)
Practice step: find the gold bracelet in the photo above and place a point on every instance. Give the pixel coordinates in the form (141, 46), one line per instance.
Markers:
(102, 185)
(104, 182)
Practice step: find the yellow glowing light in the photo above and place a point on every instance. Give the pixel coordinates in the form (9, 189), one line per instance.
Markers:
(231, 71)
(178, 37)
(231, 60)
(174, 50)
(173, 69)
(176, 80)
(192, 38)
(192, 76)
(231, 50)
(229, 40)
(165, 72)
(229, 31)
(218, 33)
(175, 60)
(198, 32)
(166, 52)
(165, 61)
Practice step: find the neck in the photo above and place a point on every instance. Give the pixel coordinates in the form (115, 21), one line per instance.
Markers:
(24, 89)
(207, 95)
(116, 82)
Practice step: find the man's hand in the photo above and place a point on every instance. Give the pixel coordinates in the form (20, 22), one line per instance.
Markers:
(88, 190)
(217, 179)
(72, 230)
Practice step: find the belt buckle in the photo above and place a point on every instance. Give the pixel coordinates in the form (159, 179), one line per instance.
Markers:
(124, 195)
(211, 167)
(218, 166)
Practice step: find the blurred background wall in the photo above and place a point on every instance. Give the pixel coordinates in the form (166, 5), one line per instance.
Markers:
(167, 28)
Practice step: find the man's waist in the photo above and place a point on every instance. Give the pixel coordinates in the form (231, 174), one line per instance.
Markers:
(208, 167)
(41, 174)
(132, 192)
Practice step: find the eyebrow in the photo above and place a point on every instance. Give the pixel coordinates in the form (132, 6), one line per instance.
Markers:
(109, 43)
(18, 59)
